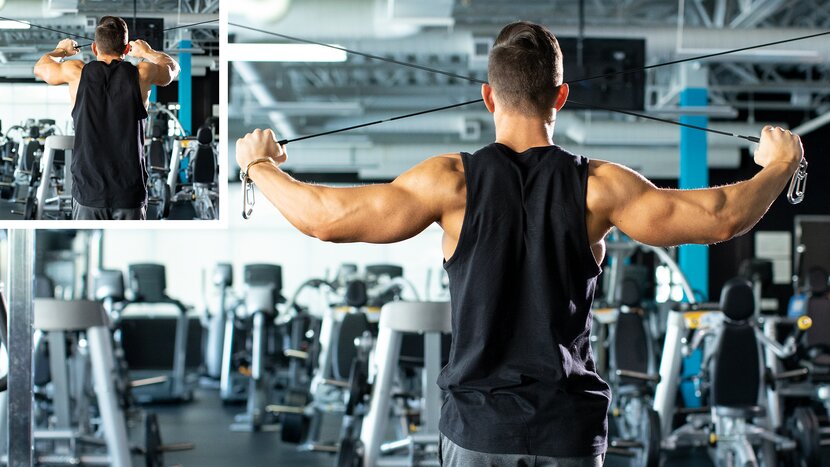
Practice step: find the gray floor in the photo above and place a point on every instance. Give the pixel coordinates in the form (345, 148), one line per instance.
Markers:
(205, 422)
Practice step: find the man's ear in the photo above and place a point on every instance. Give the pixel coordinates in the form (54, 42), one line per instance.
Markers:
(489, 99)
(126, 49)
(94, 49)
(562, 96)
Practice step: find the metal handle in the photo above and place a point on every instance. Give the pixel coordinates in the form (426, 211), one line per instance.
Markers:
(798, 184)
(248, 198)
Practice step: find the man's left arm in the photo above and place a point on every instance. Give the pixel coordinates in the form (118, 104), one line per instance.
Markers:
(382, 213)
(53, 70)
(159, 68)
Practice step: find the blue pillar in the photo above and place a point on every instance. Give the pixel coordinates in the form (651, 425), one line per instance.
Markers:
(153, 94)
(185, 87)
(694, 173)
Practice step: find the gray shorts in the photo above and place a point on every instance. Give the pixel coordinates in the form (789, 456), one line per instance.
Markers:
(453, 455)
(86, 213)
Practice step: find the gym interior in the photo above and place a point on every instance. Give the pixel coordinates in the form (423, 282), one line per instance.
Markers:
(181, 130)
(256, 345)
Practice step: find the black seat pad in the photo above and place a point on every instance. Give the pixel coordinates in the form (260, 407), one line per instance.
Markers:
(740, 411)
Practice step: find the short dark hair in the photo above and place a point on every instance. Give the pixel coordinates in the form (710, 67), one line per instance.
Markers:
(525, 68)
(111, 35)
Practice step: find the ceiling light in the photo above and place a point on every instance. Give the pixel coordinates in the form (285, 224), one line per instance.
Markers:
(282, 53)
(8, 24)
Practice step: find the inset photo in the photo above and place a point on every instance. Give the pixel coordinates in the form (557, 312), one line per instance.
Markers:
(109, 112)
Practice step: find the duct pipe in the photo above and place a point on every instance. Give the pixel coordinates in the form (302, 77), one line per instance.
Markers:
(262, 94)
(353, 29)
(356, 19)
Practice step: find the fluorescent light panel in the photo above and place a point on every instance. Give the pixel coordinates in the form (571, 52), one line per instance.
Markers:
(282, 53)
(6, 24)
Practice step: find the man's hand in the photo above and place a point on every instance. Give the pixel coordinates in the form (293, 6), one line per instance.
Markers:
(779, 145)
(139, 49)
(68, 47)
(258, 144)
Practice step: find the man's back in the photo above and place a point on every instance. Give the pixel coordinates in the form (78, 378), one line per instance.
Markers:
(108, 159)
(520, 379)
(110, 99)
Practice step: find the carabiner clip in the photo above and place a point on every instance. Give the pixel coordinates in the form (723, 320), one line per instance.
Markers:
(798, 184)
(248, 198)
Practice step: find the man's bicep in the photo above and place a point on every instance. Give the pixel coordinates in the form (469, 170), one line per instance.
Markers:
(384, 213)
(668, 217)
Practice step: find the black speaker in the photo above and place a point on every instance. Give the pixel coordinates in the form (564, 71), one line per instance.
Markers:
(150, 30)
(601, 57)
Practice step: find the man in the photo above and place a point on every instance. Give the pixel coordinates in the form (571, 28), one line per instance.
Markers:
(524, 226)
(110, 98)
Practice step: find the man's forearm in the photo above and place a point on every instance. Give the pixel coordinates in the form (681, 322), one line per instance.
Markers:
(299, 202)
(750, 200)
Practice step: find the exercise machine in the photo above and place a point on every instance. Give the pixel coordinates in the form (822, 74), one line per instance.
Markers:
(194, 173)
(316, 425)
(53, 198)
(218, 311)
(263, 344)
(431, 321)
(735, 425)
(145, 338)
(158, 191)
(632, 375)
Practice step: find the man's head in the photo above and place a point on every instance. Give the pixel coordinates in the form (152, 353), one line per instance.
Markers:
(525, 71)
(111, 37)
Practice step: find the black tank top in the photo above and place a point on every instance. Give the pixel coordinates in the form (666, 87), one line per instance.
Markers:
(521, 378)
(108, 167)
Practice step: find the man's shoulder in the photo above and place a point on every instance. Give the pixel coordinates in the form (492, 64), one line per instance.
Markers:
(73, 66)
(443, 166)
(436, 176)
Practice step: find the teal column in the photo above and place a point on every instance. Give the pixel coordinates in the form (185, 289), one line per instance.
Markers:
(186, 87)
(153, 94)
(694, 173)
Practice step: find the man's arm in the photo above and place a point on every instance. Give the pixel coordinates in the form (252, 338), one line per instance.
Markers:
(158, 68)
(51, 69)
(620, 197)
(383, 213)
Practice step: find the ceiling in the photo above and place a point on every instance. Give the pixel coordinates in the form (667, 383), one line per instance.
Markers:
(300, 98)
(19, 49)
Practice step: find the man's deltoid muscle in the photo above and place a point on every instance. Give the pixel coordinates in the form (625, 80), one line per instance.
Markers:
(110, 97)
(524, 224)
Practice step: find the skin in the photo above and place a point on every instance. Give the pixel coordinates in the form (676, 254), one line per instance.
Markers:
(435, 191)
(157, 68)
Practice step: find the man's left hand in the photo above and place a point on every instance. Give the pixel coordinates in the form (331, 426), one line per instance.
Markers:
(139, 48)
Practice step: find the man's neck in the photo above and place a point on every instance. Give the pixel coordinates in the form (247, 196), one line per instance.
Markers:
(521, 133)
(109, 58)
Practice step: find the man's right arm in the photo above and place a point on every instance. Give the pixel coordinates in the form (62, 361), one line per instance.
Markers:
(53, 70)
(620, 197)
(159, 68)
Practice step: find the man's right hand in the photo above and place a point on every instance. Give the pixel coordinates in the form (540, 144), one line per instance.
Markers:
(68, 47)
(258, 144)
(139, 48)
(779, 145)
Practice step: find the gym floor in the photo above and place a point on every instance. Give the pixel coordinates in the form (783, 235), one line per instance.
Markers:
(178, 211)
(205, 422)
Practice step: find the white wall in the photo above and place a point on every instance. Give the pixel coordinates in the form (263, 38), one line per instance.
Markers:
(21, 101)
(267, 238)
